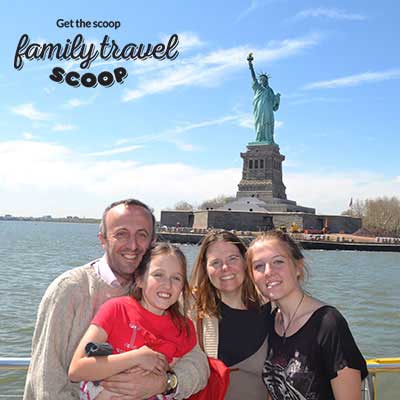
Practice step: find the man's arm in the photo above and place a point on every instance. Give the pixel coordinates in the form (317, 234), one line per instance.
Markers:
(133, 385)
(192, 371)
(47, 375)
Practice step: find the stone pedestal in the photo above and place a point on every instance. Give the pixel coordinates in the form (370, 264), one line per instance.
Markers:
(262, 173)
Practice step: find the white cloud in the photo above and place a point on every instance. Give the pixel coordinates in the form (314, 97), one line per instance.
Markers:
(212, 68)
(244, 120)
(28, 136)
(330, 192)
(119, 150)
(49, 90)
(187, 41)
(184, 146)
(63, 127)
(254, 5)
(330, 13)
(29, 111)
(355, 80)
(60, 182)
(317, 99)
(170, 135)
(74, 103)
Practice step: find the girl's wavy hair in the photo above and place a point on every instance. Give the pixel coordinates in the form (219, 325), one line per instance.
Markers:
(204, 292)
(177, 311)
(293, 249)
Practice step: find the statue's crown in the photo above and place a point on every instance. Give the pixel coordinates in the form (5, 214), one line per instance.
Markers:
(268, 76)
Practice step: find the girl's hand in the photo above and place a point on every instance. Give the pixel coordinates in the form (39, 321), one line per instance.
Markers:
(152, 361)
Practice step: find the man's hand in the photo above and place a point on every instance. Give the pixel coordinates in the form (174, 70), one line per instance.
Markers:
(152, 361)
(134, 385)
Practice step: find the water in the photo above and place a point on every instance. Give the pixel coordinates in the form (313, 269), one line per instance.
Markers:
(364, 286)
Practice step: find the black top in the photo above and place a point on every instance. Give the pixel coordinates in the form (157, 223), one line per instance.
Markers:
(241, 332)
(302, 366)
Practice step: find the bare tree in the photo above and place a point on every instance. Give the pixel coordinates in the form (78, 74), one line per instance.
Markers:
(380, 216)
(356, 209)
(216, 202)
(183, 206)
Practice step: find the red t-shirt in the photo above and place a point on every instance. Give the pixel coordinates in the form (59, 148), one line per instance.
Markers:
(130, 326)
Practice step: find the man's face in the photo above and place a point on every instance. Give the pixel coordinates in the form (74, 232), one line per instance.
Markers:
(129, 232)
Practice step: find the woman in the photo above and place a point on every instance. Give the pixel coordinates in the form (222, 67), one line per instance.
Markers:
(311, 351)
(231, 322)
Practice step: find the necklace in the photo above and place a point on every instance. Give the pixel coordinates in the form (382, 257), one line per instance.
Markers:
(290, 319)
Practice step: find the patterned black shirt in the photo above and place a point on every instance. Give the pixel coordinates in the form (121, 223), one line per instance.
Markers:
(302, 366)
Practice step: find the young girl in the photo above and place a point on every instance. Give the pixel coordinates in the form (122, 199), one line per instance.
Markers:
(146, 330)
(311, 351)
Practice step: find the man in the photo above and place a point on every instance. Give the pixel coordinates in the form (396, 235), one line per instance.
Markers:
(127, 230)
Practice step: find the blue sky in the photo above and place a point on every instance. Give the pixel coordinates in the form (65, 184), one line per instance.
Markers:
(174, 130)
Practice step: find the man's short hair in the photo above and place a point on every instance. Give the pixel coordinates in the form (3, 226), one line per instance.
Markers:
(127, 203)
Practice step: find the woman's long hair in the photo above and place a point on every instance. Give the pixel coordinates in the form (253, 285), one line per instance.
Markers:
(204, 292)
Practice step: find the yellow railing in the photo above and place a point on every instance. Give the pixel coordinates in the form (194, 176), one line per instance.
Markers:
(378, 366)
(375, 366)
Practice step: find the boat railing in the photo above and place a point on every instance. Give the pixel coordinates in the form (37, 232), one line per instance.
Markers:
(378, 366)
(375, 366)
(13, 363)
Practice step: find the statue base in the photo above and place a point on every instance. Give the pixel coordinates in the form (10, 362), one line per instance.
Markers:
(262, 143)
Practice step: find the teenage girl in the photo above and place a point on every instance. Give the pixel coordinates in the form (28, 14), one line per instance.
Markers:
(311, 352)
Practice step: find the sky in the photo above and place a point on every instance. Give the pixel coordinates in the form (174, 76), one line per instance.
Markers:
(174, 129)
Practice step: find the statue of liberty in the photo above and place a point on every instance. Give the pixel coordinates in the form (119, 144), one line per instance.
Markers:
(265, 102)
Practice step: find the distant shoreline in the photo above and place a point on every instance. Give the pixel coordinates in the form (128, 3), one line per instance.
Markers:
(72, 220)
(308, 242)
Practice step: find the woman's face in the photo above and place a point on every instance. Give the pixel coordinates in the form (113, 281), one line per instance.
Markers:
(225, 267)
(275, 273)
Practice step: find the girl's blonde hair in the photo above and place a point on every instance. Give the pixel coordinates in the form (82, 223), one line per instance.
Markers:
(177, 311)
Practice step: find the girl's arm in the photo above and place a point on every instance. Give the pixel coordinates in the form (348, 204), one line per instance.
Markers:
(347, 385)
(98, 368)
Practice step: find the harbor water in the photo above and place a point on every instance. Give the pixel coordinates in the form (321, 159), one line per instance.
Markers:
(364, 286)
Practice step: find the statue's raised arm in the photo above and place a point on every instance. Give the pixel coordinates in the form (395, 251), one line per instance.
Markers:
(265, 102)
(250, 60)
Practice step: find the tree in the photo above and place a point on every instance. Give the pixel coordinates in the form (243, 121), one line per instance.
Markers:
(216, 202)
(380, 216)
(357, 209)
(183, 206)
(383, 213)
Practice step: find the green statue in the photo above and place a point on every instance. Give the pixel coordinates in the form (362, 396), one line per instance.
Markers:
(265, 102)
